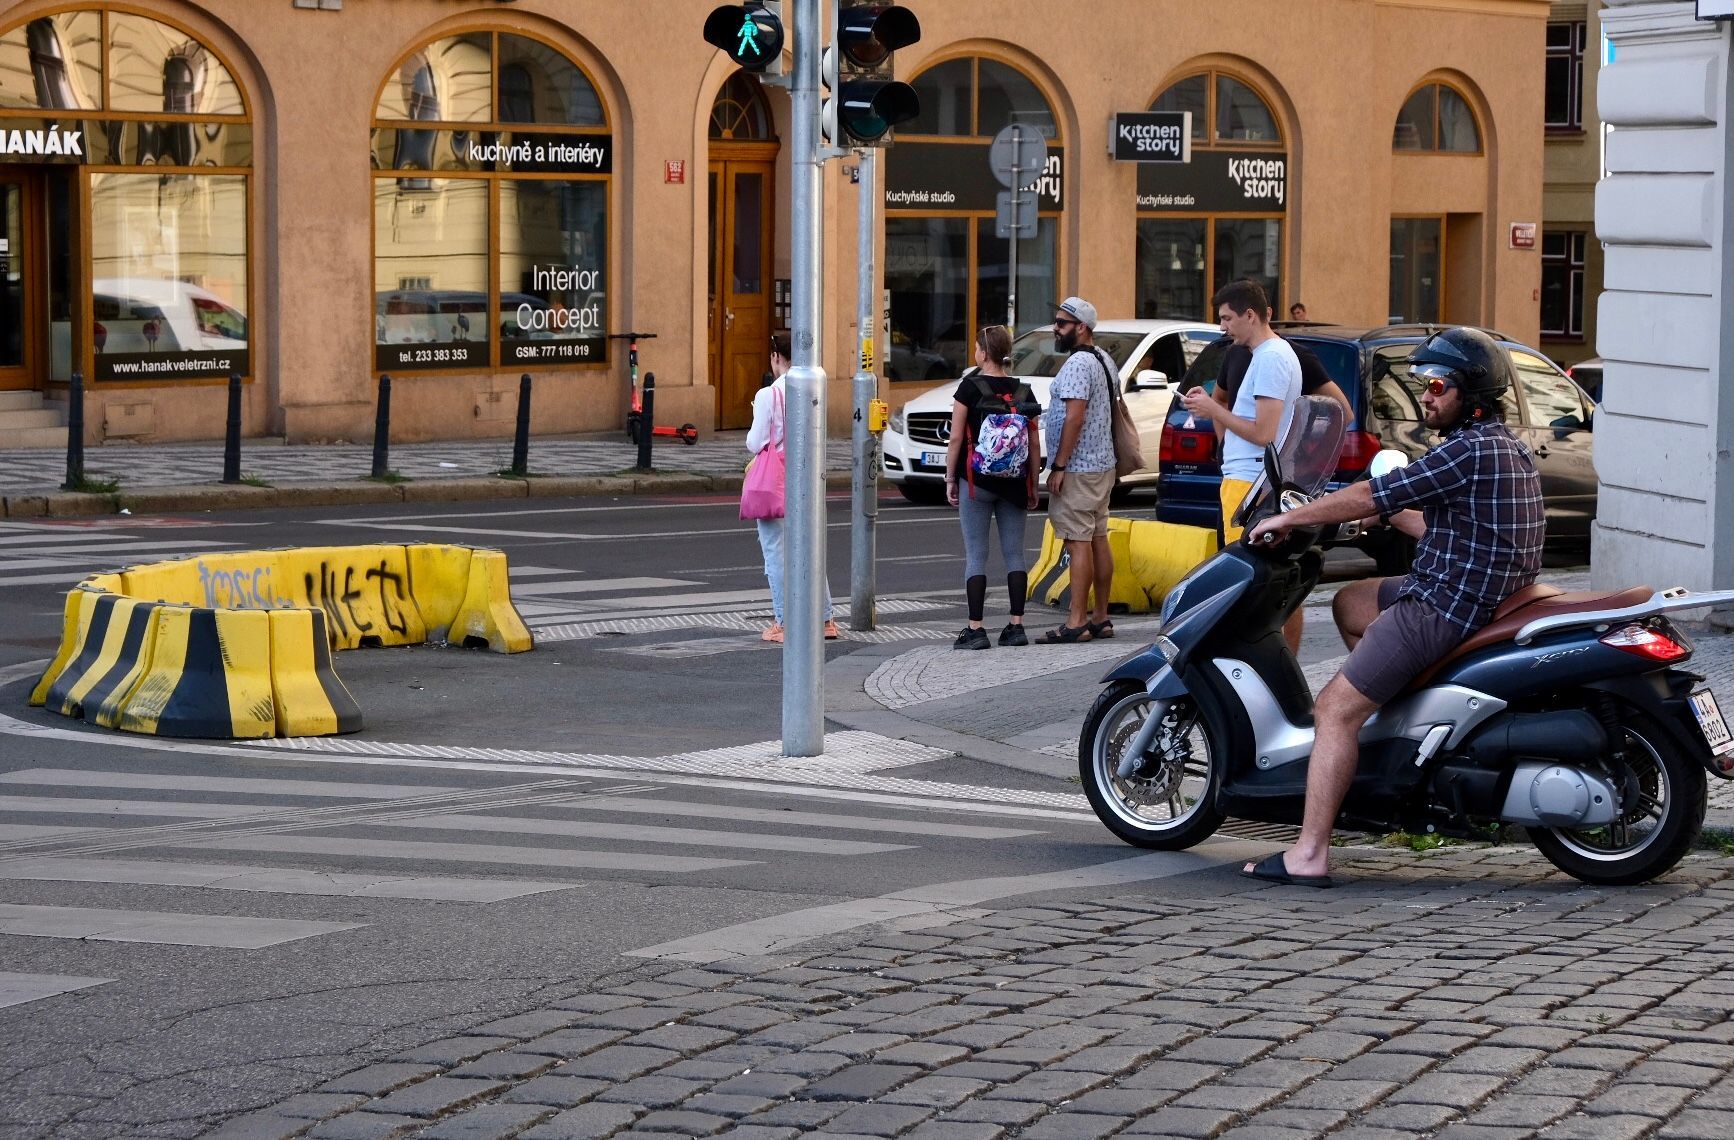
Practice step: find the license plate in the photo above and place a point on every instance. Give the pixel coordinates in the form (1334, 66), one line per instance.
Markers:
(933, 458)
(1711, 724)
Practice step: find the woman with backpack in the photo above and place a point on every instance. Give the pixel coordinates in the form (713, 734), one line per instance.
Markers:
(990, 477)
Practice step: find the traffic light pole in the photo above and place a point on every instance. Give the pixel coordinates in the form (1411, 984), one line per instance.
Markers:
(804, 411)
(863, 590)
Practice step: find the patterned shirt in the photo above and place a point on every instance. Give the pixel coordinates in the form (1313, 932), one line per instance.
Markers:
(1480, 496)
(1083, 378)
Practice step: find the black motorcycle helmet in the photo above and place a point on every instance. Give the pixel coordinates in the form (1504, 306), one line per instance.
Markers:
(1473, 361)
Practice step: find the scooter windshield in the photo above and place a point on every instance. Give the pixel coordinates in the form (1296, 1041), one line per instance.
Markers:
(1306, 460)
(1308, 455)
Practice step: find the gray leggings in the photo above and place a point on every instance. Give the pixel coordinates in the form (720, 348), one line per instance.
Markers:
(976, 513)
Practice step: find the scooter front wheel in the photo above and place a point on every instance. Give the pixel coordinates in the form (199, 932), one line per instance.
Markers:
(1167, 798)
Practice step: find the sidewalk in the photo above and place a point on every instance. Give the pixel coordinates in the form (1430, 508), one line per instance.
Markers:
(188, 476)
(1463, 993)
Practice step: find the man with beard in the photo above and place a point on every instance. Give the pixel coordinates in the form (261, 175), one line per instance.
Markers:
(1474, 501)
(1079, 433)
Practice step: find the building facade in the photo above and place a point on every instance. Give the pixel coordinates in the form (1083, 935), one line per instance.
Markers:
(1665, 428)
(314, 192)
(1571, 256)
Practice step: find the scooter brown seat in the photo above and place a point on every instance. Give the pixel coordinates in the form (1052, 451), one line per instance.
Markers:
(1526, 605)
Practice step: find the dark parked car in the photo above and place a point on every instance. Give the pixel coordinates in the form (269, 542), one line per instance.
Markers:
(1547, 411)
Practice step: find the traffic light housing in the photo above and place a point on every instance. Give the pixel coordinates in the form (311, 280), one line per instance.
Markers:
(751, 34)
(866, 100)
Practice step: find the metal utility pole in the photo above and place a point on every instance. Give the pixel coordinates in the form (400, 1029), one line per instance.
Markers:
(804, 410)
(863, 589)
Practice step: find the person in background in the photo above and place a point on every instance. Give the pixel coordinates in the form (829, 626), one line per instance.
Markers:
(1079, 428)
(990, 467)
(1297, 311)
(768, 427)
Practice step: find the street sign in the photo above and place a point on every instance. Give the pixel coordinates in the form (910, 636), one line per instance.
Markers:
(1024, 218)
(1523, 235)
(1151, 136)
(1017, 156)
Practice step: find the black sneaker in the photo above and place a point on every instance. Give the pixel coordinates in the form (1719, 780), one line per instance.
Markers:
(971, 639)
(1013, 634)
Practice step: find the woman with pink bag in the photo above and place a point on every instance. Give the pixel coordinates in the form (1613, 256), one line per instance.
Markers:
(762, 496)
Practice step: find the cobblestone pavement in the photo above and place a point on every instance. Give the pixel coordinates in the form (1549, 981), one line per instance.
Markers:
(1461, 994)
(39, 470)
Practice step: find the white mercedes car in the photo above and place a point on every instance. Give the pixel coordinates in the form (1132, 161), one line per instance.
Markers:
(1151, 355)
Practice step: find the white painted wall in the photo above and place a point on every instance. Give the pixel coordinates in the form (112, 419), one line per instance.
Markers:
(1665, 431)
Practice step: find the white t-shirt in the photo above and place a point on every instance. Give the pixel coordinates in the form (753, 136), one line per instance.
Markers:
(1274, 373)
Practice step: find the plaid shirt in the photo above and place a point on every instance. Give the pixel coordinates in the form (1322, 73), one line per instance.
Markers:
(1481, 498)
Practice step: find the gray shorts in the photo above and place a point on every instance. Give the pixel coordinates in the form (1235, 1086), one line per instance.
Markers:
(1405, 639)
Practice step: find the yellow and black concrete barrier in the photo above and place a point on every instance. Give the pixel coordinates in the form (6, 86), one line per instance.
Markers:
(238, 645)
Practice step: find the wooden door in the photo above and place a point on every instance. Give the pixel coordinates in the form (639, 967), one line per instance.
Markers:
(742, 223)
(18, 294)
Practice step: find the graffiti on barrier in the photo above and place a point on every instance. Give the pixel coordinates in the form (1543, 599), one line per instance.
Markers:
(247, 588)
(352, 601)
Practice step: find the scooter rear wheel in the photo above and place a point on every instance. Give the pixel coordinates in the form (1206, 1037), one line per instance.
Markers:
(1656, 830)
(1169, 801)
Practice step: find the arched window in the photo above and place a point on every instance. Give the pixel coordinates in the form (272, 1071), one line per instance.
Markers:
(493, 253)
(947, 264)
(1219, 217)
(1436, 118)
(159, 160)
(740, 113)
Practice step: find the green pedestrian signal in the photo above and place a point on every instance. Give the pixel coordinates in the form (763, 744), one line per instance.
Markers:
(751, 34)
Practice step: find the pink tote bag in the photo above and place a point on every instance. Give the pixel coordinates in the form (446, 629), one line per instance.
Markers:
(762, 490)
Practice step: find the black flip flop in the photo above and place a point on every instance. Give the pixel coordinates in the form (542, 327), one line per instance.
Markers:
(1272, 869)
(1065, 635)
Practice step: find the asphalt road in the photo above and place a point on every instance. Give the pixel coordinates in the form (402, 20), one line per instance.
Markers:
(191, 930)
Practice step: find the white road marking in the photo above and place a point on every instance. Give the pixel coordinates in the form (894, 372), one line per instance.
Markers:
(466, 853)
(598, 536)
(794, 818)
(596, 586)
(167, 928)
(151, 781)
(16, 989)
(270, 880)
(939, 900)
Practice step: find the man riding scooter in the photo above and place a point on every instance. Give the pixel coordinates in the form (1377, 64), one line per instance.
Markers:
(1475, 503)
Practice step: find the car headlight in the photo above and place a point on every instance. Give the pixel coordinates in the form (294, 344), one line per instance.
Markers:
(897, 422)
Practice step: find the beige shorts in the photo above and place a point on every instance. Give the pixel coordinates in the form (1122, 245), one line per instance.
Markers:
(1080, 511)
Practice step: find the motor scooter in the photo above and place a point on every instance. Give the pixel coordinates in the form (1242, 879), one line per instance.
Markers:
(1570, 715)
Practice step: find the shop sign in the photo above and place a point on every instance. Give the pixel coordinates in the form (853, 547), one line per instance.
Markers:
(174, 365)
(413, 357)
(1522, 235)
(41, 144)
(1716, 9)
(560, 321)
(542, 154)
(1216, 181)
(1151, 136)
(958, 176)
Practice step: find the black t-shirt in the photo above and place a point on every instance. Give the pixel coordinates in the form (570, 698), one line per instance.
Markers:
(969, 394)
(1239, 358)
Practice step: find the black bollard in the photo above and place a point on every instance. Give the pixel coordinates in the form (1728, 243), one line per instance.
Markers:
(647, 423)
(521, 441)
(74, 433)
(232, 437)
(382, 429)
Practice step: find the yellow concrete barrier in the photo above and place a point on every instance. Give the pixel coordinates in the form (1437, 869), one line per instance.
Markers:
(238, 644)
(1150, 558)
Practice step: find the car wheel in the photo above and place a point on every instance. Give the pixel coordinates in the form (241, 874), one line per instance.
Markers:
(922, 493)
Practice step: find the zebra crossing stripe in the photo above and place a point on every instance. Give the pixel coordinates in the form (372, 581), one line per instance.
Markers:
(271, 880)
(166, 928)
(16, 989)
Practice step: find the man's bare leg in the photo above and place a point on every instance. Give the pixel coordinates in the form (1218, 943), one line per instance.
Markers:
(1354, 608)
(1082, 570)
(1337, 720)
(1104, 578)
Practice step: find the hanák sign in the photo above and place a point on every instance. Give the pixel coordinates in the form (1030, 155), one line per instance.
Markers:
(45, 144)
(1151, 136)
